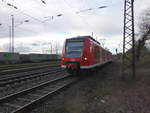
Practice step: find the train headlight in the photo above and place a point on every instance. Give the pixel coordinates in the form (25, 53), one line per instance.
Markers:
(85, 58)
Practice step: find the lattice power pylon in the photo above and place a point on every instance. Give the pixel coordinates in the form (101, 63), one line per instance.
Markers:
(128, 60)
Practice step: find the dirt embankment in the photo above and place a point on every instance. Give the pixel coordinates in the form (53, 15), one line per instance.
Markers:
(104, 92)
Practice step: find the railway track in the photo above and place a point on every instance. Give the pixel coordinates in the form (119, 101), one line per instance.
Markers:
(25, 73)
(25, 100)
(9, 85)
(12, 66)
(25, 69)
(18, 78)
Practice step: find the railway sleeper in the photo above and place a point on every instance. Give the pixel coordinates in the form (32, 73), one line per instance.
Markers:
(24, 99)
(12, 105)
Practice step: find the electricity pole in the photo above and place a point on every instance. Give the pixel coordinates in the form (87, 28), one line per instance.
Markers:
(92, 34)
(51, 48)
(10, 39)
(128, 59)
(12, 33)
(56, 49)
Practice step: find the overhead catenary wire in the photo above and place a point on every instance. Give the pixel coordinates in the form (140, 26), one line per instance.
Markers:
(43, 21)
(19, 27)
(78, 14)
(34, 18)
(23, 13)
(89, 9)
(83, 19)
(43, 1)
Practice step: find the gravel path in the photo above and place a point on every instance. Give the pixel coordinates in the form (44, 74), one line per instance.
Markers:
(103, 92)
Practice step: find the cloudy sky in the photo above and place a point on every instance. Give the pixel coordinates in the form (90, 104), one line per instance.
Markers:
(46, 28)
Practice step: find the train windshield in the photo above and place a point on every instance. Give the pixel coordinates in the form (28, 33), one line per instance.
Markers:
(74, 49)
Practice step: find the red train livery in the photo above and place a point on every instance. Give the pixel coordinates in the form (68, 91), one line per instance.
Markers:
(83, 52)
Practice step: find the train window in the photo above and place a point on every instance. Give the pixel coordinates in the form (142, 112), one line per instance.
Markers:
(74, 48)
(97, 52)
(103, 54)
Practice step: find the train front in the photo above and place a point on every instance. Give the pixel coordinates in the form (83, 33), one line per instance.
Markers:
(72, 55)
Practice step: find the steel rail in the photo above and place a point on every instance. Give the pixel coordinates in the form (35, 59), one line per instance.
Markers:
(28, 72)
(34, 102)
(22, 74)
(32, 90)
(26, 64)
(17, 87)
(25, 68)
(4, 72)
(12, 96)
(12, 80)
(21, 67)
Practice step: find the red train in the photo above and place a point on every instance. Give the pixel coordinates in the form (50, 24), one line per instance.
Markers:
(83, 52)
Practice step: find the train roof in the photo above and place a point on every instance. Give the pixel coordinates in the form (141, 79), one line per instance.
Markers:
(83, 37)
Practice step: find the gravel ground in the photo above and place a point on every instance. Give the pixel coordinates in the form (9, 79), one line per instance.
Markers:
(103, 92)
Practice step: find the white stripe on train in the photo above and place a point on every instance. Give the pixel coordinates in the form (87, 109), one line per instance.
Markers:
(88, 67)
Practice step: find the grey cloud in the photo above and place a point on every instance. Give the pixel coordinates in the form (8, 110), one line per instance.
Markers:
(104, 23)
(23, 48)
(69, 22)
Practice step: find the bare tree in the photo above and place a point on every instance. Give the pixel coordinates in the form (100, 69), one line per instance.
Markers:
(144, 24)
(144, 27)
